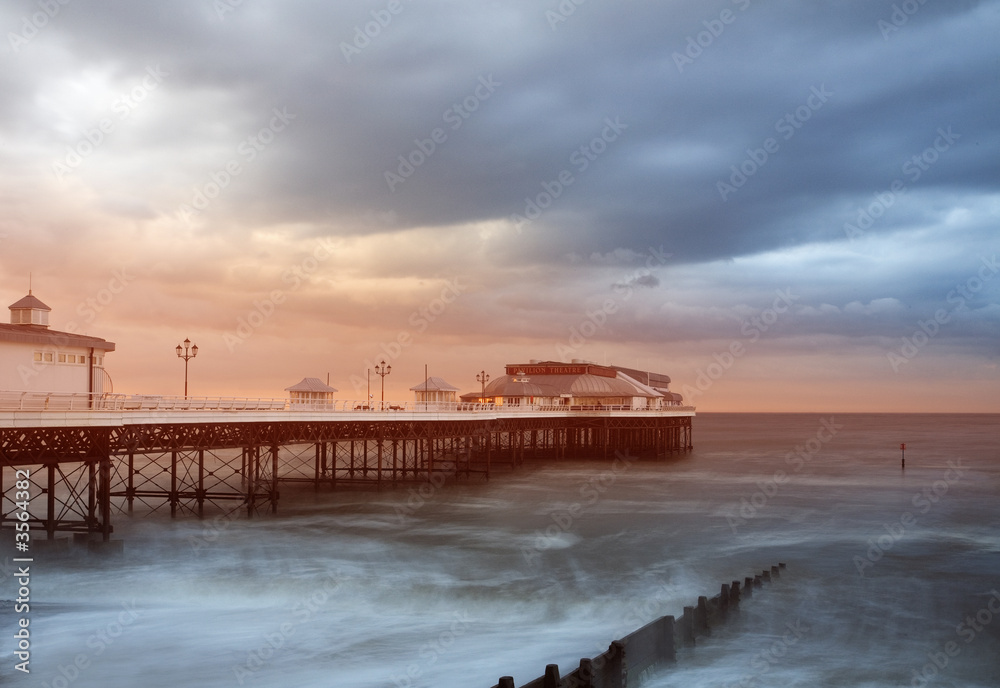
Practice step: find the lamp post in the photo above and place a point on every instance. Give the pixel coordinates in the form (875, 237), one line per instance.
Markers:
(483, 378)
(187, 353)
(382, 370)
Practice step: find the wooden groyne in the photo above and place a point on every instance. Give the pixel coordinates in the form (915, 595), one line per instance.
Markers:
(636, 657)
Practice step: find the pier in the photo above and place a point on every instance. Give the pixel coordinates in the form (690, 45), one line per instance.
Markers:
(91, 456)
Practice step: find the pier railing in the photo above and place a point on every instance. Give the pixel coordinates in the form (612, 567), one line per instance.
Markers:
(70, 401)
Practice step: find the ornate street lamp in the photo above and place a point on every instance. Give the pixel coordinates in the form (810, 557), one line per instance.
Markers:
(483, 378)
(382, 370)
(187, 353)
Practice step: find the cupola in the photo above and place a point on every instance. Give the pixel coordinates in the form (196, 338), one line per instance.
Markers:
(29, 311)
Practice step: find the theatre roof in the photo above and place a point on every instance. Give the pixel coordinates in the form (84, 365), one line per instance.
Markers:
(585, 385)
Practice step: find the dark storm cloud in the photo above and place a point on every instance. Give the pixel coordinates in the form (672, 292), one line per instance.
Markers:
(687, 123)
(726, 133)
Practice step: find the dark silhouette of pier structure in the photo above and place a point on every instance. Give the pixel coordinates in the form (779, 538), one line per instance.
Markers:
(89, 458)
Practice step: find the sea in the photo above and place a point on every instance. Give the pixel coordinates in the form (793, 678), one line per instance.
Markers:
(892, 574)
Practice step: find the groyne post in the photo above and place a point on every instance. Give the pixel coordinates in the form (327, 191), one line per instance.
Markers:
(701, 616)
(552, 679)
(585, 674)
(688, 626)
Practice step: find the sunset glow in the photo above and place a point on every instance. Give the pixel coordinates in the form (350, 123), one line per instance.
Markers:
(798, 213)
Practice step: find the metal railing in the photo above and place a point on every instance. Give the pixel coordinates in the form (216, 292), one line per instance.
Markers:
(82, 401)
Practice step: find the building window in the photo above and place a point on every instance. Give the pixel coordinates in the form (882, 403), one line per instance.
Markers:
(47, 356)
(62, 358)
(38, 356)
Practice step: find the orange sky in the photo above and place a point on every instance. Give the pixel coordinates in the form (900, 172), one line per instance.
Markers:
(774, 229)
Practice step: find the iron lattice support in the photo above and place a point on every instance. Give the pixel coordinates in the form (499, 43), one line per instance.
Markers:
(69, 475)
(81, 475)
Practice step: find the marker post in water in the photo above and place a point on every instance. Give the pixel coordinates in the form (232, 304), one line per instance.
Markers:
(902, 455)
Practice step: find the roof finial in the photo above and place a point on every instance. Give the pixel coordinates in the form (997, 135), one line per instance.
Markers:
(29, 284)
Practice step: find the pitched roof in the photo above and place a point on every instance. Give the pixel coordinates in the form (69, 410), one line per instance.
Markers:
(433, 384)
(310, 384)
(30, 301)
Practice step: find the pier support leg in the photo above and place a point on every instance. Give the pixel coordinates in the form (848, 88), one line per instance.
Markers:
(130, 490)
(395, 462)
(50, 521)
(319, 464)
(201, 483)
(333, 465)
(273, 493)
(250, 474)
(91, 496)
(173, 484)
(104, 492)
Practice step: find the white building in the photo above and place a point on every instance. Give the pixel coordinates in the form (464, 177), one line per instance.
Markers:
(34, 358)
(435, 390)
(311, 392)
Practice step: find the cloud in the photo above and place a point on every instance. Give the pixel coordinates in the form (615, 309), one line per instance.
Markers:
(489, 109)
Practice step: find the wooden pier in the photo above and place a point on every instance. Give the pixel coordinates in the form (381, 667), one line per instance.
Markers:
(88, 462)
(632, 660)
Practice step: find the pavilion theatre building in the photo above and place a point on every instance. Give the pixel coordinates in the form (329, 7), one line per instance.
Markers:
(581, 384)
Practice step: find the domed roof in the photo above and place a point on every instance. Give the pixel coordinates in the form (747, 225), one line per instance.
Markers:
(594, 385)
(512, 386)
(585, 385)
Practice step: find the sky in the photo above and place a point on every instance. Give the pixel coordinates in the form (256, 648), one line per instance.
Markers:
(785, 206)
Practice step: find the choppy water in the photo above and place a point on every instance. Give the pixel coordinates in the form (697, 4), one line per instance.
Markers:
(551, 563)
